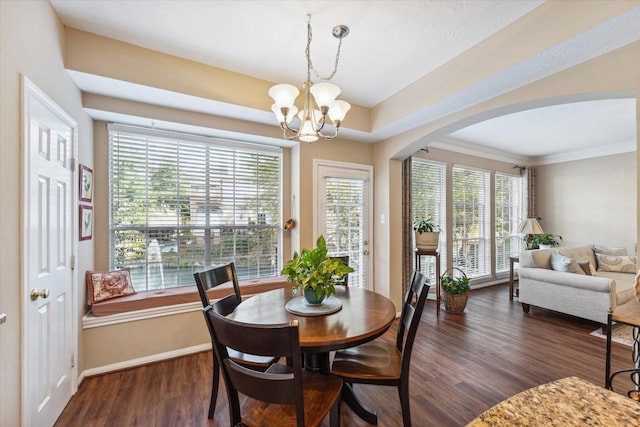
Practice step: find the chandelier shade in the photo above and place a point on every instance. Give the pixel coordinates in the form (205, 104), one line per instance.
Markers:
(320, 104)
(284, 95)
(324, 94)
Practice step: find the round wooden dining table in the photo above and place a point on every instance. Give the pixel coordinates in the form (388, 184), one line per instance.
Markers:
(364, 316)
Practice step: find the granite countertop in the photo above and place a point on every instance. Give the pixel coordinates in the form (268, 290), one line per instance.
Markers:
(569, 401)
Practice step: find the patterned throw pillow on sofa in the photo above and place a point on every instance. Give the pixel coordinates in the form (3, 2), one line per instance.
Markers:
(619, 264)
(102, 286)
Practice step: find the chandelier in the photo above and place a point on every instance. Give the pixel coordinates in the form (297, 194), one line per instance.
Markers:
(313, 116)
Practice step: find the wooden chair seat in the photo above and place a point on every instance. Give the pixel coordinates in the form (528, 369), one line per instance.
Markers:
(374, 361)
(320, 393)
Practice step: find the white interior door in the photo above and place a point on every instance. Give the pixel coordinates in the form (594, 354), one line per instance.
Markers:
(49, 377)
(343, 206)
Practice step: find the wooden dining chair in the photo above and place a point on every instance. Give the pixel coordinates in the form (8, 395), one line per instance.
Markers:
(382, 363)
(210, 279)
(284, 394)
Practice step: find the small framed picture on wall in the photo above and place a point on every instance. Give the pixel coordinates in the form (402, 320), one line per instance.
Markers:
(86, 222)
(86, 184)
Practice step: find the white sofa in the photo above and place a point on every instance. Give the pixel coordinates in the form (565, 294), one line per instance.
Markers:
(575, 293)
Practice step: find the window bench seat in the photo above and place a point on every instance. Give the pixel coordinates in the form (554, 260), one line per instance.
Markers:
(186, 294)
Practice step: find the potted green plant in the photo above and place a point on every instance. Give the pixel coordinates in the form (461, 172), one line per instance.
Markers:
(456, 290)
(546, 240)
(315, 272)
(427, 234)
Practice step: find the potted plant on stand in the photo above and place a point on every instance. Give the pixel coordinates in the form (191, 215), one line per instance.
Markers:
(315, 272)
(456, 290)
(427, 234)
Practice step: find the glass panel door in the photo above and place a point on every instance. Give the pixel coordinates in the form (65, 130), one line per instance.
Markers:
(343, 198)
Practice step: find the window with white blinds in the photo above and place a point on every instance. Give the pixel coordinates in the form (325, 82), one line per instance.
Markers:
(182, 203)
(429, 201)
(471, 221)
(508, 212)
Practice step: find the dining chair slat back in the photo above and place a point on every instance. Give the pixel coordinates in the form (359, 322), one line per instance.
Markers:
(215, 277)
(210, 279)
(383, 363)
(296, 398)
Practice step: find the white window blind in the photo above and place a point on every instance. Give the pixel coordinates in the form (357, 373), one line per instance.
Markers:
(471, 221)
(344, 223)
(509, 211)
(429, 201)
(181, 203)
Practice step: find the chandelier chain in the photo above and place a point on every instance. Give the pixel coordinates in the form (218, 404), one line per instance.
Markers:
(308, 53)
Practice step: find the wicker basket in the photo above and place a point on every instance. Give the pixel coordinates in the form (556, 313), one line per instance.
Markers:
(455, 303)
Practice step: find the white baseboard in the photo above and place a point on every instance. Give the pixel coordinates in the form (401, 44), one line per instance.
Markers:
(143, 360)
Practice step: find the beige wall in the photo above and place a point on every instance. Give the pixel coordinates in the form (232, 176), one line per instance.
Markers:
(590, 201)
(31, 44)
(120, 345)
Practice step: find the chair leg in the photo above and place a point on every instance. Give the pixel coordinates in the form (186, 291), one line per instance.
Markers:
(403, 392)
(334, 415)
(215, 380)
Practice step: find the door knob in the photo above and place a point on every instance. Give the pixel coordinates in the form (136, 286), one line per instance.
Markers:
(366, 252)
(42, 294)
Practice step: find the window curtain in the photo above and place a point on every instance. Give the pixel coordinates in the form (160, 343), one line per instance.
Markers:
(407, 225)
(529, 174)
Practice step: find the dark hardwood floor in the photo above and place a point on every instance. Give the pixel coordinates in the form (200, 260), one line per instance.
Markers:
(461, 366)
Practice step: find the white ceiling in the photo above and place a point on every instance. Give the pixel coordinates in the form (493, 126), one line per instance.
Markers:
(391, 45)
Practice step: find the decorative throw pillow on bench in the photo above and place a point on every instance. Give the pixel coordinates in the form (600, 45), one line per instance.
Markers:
(102, 286)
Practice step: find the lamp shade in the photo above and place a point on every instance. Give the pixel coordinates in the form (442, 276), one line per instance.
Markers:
(324, 93)
(309, 122)
(338, 110)
(530, 226)
(307, 133)
(284, 95)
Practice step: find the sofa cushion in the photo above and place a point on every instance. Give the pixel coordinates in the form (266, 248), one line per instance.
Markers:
(599, 249)
(560, 262)
(587, 268)
(622, 264)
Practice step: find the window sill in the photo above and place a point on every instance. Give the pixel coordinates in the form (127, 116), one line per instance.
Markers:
(150, 304)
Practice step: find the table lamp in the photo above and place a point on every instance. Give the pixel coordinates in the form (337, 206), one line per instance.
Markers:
(530, 227)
